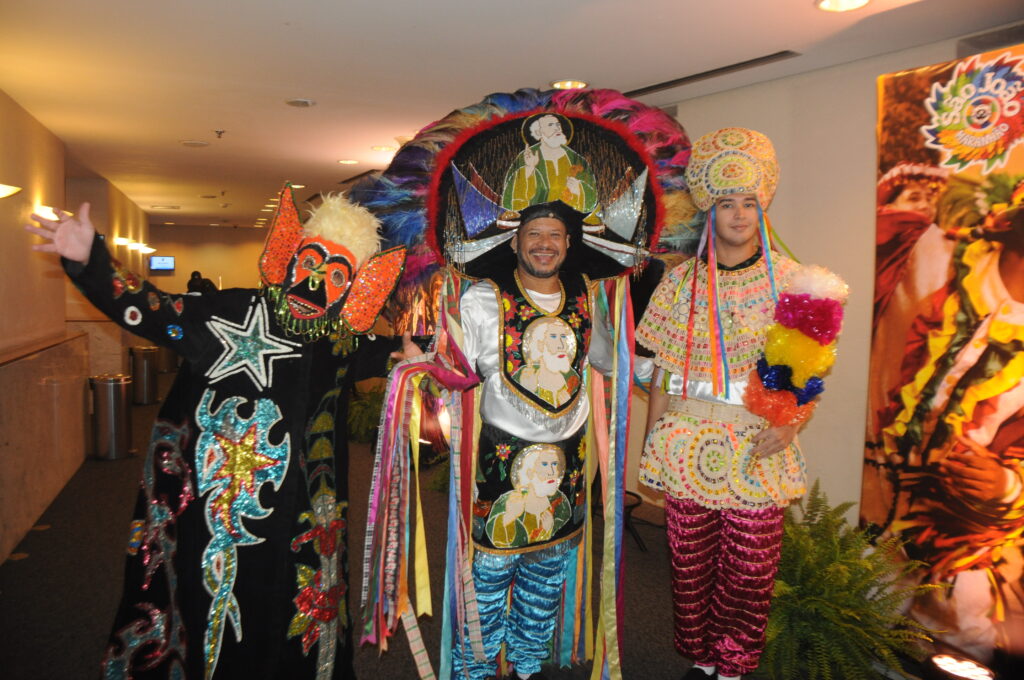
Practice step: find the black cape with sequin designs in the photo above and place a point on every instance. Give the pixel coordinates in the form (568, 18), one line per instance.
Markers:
(237, 562)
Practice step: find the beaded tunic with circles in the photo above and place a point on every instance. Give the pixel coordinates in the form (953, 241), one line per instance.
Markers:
(700, 448)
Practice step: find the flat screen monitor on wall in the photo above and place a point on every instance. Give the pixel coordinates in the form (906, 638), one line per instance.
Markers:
(161, 263)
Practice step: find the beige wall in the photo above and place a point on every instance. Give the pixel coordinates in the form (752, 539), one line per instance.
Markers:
(823, 126)
(42, 373)
(227, 256)
(31, 285)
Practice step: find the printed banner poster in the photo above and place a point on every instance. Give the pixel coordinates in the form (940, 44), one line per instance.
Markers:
(944, 449)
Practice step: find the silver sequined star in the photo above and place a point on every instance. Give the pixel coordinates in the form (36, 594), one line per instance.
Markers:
(249, 348)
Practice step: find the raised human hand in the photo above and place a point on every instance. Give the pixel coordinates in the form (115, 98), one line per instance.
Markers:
(69, 236)
(410, 350)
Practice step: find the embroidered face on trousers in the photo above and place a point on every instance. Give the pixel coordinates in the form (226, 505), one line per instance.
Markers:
(318, 278)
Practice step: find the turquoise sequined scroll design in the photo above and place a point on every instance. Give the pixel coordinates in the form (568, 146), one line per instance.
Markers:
(159, 631)
(234, 459)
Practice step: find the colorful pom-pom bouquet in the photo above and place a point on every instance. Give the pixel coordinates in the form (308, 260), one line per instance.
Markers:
(800, 348)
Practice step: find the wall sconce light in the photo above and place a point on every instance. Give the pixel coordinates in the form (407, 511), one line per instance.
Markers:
(956, 667)
(47, 212)
(8, 190)
(840, 5)
(121, 241)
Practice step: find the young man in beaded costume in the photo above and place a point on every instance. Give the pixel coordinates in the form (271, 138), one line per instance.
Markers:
(237, 564)
(726, 405)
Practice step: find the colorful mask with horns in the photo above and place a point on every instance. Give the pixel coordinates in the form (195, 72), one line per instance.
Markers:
(327, 276)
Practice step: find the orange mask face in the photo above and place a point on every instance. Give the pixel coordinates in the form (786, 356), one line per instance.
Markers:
(318, 278)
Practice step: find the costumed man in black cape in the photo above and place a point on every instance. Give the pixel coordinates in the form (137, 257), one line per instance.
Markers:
(237, 563)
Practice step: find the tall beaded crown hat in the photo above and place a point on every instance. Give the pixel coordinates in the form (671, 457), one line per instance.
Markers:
(732, 160)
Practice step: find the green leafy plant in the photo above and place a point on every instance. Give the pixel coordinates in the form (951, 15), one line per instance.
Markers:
(364, 413)
(836, 611)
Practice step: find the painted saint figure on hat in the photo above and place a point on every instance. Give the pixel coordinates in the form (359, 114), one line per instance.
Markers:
(549, 170)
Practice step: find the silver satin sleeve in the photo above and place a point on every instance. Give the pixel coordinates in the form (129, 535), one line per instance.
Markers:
(703, 390)
(481, 325)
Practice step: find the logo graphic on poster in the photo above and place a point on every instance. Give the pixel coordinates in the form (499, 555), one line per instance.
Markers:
(975, 116)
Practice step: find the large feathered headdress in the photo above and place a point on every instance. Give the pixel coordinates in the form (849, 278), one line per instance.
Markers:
(451, 194)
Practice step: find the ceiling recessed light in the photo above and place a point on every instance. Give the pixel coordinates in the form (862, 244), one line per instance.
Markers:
(383, 148)
(136, 246)
(298, 186)
(840, 5)
(300, 102)
(121, 241)
(273, 200)
(214, 224)
(165, 207)
(569, 84)
(348, 161)
(168, 222)
(193, 143)
(266, 210)
(147, 250)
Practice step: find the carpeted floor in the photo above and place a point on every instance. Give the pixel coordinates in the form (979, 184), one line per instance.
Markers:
(57, 601)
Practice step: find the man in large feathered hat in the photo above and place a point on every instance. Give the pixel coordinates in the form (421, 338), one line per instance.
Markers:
(729, 393)
(236, 564)
(536, 240)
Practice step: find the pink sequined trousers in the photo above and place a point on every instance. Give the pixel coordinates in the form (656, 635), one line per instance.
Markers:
(723, 572)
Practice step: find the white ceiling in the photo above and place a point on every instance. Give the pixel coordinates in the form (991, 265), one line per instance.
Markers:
(122, 82)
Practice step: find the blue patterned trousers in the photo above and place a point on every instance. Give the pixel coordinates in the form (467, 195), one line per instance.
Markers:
(527, 623)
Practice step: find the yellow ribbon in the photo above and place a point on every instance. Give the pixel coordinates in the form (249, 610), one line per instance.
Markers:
(423, 603)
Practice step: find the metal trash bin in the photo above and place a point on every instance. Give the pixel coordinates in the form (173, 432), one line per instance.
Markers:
(144, 360)
(167, 360)
(111, 416)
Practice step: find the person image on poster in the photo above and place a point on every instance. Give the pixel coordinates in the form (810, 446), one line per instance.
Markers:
(955, 439)
(942, 464)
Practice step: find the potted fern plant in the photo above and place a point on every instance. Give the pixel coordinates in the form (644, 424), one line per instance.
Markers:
(836, 611)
